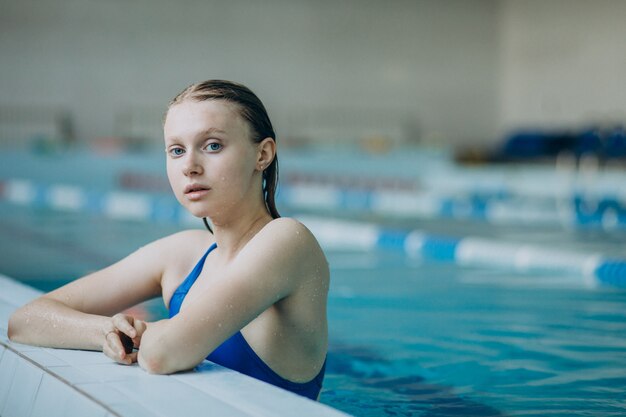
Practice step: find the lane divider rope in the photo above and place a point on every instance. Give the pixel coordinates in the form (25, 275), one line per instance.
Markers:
(331, 232)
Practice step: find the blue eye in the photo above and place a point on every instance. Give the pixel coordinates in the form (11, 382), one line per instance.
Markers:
(176, 151)
(214, 146)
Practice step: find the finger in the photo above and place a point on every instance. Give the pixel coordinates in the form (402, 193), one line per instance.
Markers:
(134, 341)
(112, 354)
(126, 361)
(140, 326)
(132, 357)
(106, 349)
(114, 342)
(124, 323)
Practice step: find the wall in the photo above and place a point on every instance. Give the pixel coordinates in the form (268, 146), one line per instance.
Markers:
(563, 63)
(429, 65)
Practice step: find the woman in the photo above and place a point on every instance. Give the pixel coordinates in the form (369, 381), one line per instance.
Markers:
(256, 299)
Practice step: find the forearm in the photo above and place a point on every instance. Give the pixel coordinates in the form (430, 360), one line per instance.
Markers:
(50, 323)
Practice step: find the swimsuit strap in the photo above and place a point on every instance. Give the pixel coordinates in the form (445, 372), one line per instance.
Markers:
(179, 295)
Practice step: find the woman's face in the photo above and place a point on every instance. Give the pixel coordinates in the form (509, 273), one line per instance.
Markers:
(211, 160)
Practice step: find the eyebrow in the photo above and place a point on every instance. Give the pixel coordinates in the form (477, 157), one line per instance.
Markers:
(206, 132)
(210, 131)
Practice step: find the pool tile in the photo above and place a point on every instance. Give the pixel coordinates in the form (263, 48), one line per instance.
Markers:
(52, 398)
(80, 357)
(23, 391)
(79, 406)
(105, 393)
(8, 365)
(72, 375)
(112, 371)
(5, 312)
(132, 409)
(43, 358)
(19, 347)
(165, 395)
(251, 396)
(3, 336)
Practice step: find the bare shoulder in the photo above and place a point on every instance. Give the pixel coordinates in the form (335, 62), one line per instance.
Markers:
(292, 242)
(289, 231)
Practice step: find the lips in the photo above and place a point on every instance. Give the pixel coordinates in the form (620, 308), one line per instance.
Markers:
(194, 188)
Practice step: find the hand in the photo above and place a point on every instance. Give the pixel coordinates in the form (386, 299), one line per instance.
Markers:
(123, 333)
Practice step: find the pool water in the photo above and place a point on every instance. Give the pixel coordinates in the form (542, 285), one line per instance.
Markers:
(407, 337)
(435, 340)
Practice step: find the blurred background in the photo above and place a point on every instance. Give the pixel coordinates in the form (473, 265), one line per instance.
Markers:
(435, 72)
(444, 73)
(470, 152)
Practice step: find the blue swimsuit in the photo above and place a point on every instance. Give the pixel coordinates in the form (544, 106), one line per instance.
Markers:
(235, 353)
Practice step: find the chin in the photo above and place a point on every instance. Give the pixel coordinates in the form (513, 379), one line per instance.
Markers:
(198, 213)
(196, 210)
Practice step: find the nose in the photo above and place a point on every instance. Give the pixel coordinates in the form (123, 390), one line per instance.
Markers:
(192, 165)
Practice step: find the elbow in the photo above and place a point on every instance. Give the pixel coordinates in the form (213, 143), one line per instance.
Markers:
(151, 363)
(20, 327)
(14, 326)
(151, 357)
(11, 328)
(158, 363)
(154, 357)
(159, 354)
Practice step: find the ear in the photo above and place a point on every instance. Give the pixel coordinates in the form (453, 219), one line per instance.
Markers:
(266, 151)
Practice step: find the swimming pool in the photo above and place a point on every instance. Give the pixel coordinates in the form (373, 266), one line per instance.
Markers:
(408, 335)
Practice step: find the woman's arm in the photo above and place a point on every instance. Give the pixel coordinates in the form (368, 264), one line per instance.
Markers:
(269, 268)
(48, 322)
(78, 315)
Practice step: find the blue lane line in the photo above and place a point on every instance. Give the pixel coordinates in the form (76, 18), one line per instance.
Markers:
(162, 208)
(432, 247)
(475, 206)
(391, 240)
(612, 272)
(604, 212)
(440, 249)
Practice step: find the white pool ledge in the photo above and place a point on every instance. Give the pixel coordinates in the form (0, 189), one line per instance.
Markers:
(48, 382)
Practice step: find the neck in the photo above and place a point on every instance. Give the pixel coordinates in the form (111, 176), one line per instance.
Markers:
(232, 234)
